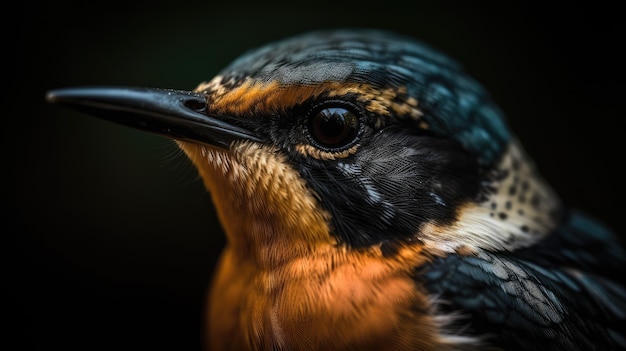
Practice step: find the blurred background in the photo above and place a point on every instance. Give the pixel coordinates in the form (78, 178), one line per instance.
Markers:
(109, 238)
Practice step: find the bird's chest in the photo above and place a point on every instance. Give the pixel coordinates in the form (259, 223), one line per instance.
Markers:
(315, 303)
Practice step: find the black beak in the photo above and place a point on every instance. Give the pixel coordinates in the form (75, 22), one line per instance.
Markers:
(177, 114)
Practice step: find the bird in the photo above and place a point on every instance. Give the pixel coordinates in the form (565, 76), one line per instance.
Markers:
(373, 196)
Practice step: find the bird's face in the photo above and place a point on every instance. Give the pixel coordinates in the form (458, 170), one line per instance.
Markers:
(357, 139)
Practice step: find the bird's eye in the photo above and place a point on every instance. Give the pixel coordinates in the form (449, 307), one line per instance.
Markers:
(334, 127)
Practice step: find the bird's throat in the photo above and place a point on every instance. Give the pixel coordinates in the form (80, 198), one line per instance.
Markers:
(267, 212)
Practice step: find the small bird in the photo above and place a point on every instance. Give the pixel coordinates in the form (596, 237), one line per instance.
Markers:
(373, 197)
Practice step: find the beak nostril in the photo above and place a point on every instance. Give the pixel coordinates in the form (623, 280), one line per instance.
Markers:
(196, 105)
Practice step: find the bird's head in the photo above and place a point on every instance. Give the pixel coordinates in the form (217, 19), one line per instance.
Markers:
(356, 138)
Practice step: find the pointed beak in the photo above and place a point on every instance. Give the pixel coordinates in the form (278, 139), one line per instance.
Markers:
(177, 114)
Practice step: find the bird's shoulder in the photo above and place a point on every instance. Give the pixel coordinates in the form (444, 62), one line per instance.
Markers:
(563, 293)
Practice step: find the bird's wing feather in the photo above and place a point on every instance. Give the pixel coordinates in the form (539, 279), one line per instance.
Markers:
(561, 294)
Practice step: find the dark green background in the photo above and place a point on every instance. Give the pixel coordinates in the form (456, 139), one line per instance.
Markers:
(109, 238)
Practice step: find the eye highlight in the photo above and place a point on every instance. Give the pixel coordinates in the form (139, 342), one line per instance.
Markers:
(334, 126)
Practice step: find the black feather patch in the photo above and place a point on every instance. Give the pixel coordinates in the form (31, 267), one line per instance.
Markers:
(396, 182)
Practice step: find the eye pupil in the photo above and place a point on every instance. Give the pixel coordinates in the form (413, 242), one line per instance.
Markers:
(334, 126)
(332, 122)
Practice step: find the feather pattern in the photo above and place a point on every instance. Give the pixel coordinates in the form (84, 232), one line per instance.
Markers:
(545, 297)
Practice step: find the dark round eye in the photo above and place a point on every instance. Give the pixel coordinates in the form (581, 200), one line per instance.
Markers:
(334, 127)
